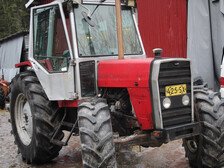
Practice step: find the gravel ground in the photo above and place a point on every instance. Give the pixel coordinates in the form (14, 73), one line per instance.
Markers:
(167, 156)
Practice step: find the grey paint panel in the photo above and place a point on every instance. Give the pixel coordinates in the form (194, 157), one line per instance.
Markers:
(199, 41)
(10, 54)
(217, 27)
(206, 38)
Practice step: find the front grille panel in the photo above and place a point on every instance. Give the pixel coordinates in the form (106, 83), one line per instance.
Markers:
(175, 117)
(174, 73)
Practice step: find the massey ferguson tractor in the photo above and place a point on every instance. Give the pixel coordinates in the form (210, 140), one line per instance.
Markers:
(73, 81)
(4, 91)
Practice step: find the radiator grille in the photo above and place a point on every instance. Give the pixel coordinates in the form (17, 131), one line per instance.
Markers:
(174, 73)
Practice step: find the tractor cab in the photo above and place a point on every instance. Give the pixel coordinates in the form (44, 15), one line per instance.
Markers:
(80, 33)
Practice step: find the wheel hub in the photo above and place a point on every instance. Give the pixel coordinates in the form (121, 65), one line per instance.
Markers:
(192, 145)
(23, 119)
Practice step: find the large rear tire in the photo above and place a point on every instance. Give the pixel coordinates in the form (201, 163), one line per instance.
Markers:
(207, 149)
(2, 99)
(96, 135)
(34, 119)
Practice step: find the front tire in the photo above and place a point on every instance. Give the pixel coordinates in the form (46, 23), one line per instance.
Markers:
(33, 118)
(96, 135)
(207, 149)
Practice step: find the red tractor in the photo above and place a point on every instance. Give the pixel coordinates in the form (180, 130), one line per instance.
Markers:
(73, 81)
(4, 91)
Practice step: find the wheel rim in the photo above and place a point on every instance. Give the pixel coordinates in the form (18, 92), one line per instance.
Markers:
(23, 119)
(192, 145)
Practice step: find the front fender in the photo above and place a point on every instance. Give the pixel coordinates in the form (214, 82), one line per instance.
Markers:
(134, 75)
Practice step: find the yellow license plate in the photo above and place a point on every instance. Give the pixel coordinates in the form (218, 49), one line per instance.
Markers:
(176, 90)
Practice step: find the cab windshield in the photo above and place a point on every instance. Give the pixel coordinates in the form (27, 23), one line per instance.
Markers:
(96, 35)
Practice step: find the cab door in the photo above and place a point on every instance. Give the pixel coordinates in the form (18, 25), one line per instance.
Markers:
(50, 51)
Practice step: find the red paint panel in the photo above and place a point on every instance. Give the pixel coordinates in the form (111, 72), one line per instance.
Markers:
(23, 64)
(141, 101)
(135, 76)
(163, 23)
(124, 73)
(68, 103)
(221, 81)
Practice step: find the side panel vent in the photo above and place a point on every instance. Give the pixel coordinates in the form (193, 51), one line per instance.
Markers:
(87, 78)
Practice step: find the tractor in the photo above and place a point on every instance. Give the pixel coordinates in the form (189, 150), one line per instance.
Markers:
(4, 91)
(72, 81)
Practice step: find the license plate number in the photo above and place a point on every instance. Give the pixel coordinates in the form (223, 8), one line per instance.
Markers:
(176, 90)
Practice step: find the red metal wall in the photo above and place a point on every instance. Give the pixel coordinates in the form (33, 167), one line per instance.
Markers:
(163, 23)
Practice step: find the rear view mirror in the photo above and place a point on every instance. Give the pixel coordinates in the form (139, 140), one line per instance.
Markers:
(88, 19)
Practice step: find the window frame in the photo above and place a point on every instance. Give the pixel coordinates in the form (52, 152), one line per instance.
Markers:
(109, 55)
(32, 28)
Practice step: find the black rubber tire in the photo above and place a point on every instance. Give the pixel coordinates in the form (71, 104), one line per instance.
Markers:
(44, 117)
(2, 99)
(207, 149)
(96, 134)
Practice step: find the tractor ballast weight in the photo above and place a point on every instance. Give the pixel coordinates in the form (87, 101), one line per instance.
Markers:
(76, 83)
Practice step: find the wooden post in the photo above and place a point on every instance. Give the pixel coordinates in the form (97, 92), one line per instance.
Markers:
(119, 30)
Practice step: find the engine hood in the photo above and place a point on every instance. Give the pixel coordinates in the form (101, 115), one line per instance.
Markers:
(127, 73)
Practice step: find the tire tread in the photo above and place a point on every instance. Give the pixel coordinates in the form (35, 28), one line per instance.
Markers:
(96, 134)
(211, 140)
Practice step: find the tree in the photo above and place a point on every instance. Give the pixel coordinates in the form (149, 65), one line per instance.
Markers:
(14, 17)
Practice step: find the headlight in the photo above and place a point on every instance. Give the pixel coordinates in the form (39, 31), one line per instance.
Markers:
(166, 103)
(185, 100)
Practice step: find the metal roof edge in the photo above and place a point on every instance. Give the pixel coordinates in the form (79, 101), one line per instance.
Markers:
(15, 35)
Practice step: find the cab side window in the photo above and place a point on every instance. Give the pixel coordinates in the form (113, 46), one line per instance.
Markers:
(50, 45)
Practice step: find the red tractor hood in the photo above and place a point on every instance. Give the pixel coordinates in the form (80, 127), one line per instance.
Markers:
(127, 73)
(133, 74)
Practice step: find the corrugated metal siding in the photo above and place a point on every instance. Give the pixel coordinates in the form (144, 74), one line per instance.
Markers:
(163, 23)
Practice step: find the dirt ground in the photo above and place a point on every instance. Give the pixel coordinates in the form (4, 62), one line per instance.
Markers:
(168, 156)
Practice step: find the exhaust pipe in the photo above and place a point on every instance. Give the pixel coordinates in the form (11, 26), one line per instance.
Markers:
(119, 30)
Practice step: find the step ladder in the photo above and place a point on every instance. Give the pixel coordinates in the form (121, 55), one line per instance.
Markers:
(67, 124)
